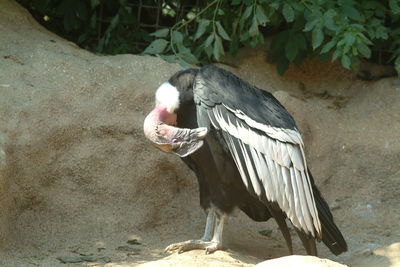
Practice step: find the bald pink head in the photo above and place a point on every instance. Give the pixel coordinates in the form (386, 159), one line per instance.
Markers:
(159, 125)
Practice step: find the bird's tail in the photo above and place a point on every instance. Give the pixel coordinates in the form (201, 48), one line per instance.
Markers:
(331, 235)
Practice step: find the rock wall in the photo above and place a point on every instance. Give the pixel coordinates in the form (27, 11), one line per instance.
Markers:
(74, 146)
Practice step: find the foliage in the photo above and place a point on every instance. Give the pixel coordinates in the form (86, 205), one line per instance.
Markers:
(344, 30)
(102, 26)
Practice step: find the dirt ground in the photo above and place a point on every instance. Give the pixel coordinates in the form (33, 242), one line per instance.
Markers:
(79, 182)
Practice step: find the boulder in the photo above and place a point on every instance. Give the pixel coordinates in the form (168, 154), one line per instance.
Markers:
(299, 261)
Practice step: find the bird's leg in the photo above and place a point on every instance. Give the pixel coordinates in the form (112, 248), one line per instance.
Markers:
(216, 241)
(212, 239)
(210, 223)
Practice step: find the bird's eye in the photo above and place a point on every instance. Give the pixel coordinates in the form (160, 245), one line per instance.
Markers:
(174, 140)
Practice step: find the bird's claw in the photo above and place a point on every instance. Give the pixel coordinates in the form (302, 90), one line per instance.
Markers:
(208, 246)
(212, 248)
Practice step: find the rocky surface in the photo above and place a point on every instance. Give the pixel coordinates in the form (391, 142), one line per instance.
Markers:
(78, 180)
(299, 261)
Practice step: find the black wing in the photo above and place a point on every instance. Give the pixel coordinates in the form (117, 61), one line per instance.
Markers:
(263, 140)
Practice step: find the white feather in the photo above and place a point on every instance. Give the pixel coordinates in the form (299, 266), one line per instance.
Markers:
(279, 164)
(168, 96)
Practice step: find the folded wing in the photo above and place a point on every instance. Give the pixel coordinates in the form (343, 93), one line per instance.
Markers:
(263, 140)
(271, 163)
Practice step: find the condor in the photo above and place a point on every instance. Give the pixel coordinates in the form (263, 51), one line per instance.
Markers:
(246, 152)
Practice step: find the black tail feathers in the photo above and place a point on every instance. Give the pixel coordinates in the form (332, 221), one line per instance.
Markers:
(331, 235)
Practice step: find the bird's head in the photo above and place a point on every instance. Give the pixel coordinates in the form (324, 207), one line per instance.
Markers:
(159, 125)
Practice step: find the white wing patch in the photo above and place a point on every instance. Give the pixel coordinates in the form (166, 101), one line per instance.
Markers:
(284, 135)
(272, 163)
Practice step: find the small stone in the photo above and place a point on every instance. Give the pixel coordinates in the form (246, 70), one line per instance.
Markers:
(387, 233)
(70, 259)
(128, 249)
(335, 206)
(89, 258)
(367, 252)
(265, 232)
(105, 259)
(132, 254)
(133, 242)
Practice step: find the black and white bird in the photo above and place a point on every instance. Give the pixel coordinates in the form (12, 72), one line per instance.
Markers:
(246, 152)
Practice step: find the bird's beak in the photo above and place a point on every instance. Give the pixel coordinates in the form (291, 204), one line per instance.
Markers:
(180, 141)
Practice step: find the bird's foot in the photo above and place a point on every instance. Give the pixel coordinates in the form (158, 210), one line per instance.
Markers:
(208, 246)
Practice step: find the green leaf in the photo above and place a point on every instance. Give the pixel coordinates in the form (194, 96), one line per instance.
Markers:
(169, 58)
(177, 37)
(381, 32)
(317, 37)
(330, 13)
(156, 47)
(345, 61)
(294, 45)
(188, 57)
(279, 40)
(245, 15)
(310, 25)
(201, 28)
(236, 2)
(298, 5)
(253, 31)
(274, 5)
(354, 51)
(291, 50)
(182, 49)
(218, 49)
(261, 17)
(160, 33)
(113, 23)
(208, 41)
(288, 13)
(234, 45)
(349, 39)
(328, 46)
(330, 24)
(82, 38)
(184, 64)
(222, 31)
(244, 36)
(336, 55)
(247, 12)
(397, 65)
(394, 6)
(330, 19)
(301, 41)
(94, 3)
(364, 50)
(351, 12)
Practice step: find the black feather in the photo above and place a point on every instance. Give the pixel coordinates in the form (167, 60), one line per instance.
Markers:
(331, 235)
(221, 184)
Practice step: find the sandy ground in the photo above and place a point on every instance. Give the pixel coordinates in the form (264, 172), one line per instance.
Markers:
(78, 181)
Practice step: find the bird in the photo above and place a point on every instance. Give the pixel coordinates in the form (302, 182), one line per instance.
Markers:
(246, 152)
